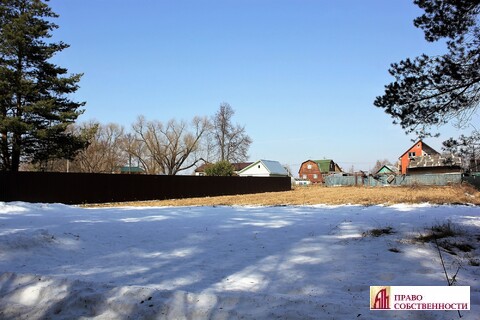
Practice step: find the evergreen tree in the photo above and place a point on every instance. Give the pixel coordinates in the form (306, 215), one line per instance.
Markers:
(433, 90)
(34, 106)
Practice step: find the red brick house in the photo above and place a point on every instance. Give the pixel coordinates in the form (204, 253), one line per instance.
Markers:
(309, 170)
(423, 159)
(315, 170)
(419, 149)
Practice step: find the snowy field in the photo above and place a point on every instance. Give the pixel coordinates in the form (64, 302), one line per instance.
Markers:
(289, 262)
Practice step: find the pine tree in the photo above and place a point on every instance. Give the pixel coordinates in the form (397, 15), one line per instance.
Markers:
(35, 109)
(434, 90)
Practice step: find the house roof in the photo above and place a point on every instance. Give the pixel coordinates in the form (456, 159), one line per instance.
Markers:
(436, 160)
(241, 165)
(387, 168)
(324, 165)
(202, 167)
(424, 146)
(131, 169)
(237, 166)
(273, 167)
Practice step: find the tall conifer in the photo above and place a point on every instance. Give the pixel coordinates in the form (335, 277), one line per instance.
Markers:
(429, 91)
(35, 108)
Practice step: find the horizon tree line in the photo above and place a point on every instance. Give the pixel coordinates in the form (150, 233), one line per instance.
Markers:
(156, 147)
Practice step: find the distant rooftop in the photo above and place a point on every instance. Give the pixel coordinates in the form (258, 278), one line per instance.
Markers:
(274, 167)
(131, 170)
(236, 165)
(435, 160)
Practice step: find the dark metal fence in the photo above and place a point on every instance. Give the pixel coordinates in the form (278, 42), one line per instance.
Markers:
(473, 179)
(77, 188)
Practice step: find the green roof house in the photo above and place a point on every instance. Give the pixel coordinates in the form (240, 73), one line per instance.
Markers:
(387, 169)
(328, 166)
(315, 170)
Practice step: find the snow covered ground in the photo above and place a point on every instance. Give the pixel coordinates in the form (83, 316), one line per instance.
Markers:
(289, 262)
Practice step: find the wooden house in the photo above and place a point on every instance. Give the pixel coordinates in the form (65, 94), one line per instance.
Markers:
(316, 170)
(310, 170)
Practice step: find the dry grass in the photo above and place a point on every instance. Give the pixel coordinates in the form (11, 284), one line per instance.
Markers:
(311, 195)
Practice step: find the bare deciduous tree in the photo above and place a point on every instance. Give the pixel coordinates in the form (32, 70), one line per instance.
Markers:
(231, 141)
(379, 164)
(168, 148)
(138, 154)
(104, 153)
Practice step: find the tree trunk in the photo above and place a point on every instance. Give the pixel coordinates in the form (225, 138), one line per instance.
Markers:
(6, 164)
(16, 150)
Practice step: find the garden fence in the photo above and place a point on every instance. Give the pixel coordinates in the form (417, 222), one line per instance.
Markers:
(385, 180)
(78, 188)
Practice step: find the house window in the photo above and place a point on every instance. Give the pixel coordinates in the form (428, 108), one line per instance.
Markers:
(304, 176)
(258, 166)
(309, 167)
(411, 154)
(315, 176)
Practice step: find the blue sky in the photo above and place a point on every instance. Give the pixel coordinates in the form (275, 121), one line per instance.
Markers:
(301, 75)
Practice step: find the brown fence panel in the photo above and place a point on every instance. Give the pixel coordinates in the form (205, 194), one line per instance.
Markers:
(77, 188)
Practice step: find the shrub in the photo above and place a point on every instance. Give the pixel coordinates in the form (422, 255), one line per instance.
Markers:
(439, 231)
(220, 168)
